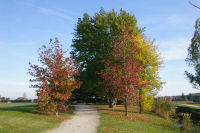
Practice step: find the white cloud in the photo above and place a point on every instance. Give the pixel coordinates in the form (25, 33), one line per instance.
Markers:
(14, 83)
(57, 13)
(174, 49)
(47, 11)
(177, 19)
(171, 22)
(14, 89)
(176, 88)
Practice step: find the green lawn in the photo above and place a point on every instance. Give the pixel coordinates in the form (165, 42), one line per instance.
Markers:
(195, 104)
(188, 105)
(114, 121)
(24, 118)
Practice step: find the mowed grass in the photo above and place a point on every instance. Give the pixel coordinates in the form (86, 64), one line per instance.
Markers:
(188, 105)
(114, 121)
(25, 118)
(195, 104)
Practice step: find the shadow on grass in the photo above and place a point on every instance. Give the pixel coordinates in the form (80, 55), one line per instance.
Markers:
(116, 110)
(24, 108)
(33, 109)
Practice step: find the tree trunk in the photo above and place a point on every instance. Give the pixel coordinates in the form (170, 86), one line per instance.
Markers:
(126, 106)
(140, 100)
(56, 113)
(110, 99)
(110, 103)
(114, 102)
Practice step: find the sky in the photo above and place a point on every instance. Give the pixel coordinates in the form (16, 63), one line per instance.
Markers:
(26, 25)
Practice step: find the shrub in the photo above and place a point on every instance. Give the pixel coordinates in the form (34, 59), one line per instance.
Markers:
(164, 107)
(185, 123)
(195, 113)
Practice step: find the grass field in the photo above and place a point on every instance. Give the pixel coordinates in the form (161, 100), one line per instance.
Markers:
(195, 104)
(24, 118)
(114, 121)
(188, 105)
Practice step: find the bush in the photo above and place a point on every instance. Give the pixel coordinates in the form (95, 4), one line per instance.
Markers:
(164, 107)
(195, 113)
(185, 123)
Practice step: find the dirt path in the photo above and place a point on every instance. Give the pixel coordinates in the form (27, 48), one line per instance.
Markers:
(85, 120)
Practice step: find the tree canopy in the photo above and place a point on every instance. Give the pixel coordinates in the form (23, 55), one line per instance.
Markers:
(55, 79)
(92, 43)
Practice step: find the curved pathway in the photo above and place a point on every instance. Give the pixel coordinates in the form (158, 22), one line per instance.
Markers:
(85, 120)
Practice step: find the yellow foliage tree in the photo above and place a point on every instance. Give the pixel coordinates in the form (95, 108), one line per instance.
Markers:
(152, 62)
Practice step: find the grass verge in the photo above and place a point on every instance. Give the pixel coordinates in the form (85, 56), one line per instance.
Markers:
(24, 118)
(195, 104)
(114, 121)
(188, 105)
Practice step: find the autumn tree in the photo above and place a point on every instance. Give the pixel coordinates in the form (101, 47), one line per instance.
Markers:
(92, 43)
(193, 57)
(151, 62)
(55, 78)
(122, 69)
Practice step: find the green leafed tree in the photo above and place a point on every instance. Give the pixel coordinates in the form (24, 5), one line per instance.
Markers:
(193, 57)
(92, 43)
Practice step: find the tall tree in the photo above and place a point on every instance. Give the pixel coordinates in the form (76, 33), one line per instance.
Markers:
(92, 43)
(55, 78)
(122, 68)
(193, 57)
(151, 62)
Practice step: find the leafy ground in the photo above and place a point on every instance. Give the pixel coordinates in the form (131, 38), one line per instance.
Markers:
(114, 121)
(24, 118)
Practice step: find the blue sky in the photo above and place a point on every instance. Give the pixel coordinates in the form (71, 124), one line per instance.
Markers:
(25, 25)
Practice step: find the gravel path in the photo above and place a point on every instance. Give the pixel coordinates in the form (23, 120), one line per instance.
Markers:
(85, 120)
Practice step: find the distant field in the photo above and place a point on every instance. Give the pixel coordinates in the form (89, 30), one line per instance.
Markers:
(24, 118)
(114, 121)
(5, 105)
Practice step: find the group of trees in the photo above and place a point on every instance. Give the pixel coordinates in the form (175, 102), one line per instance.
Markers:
(112, 60)
(117, 61)
(4, 99)
(131, 70)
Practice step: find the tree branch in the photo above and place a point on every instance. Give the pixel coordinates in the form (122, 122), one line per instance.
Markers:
(194, 5)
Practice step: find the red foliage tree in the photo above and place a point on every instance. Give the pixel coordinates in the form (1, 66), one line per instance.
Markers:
(122, 68)
(55, 78)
